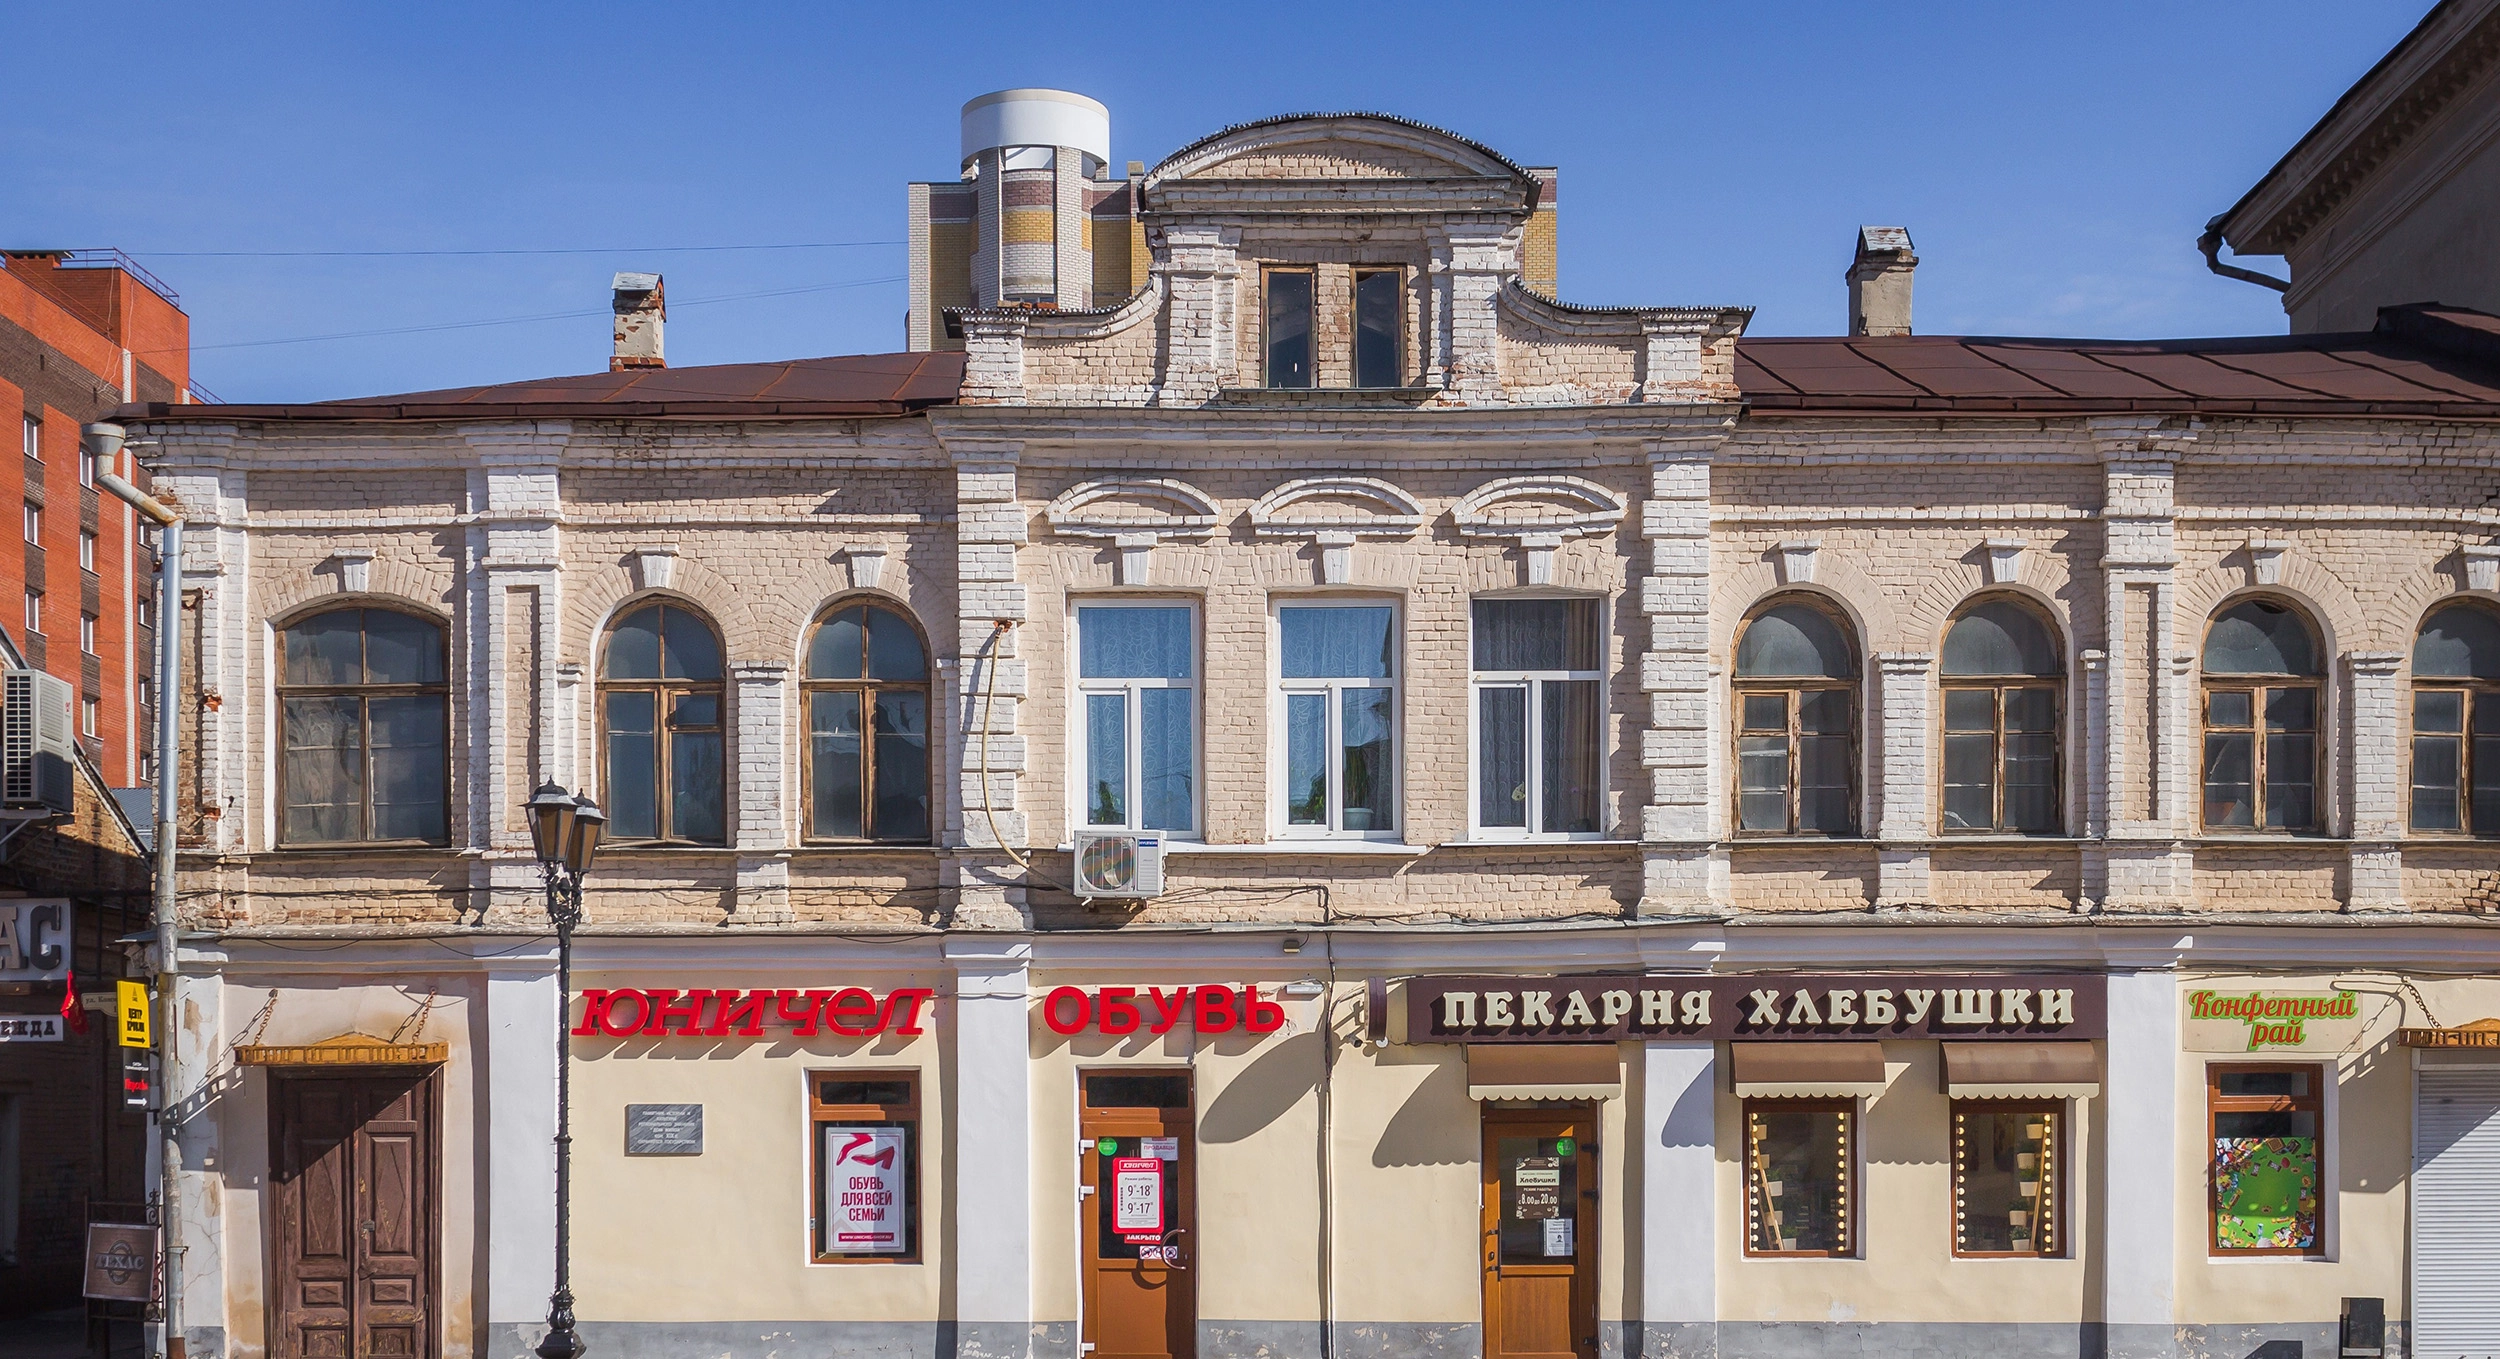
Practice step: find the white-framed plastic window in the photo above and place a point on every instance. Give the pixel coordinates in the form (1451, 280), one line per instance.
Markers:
(1335, 745)
(1134, 762)
(1536, 730)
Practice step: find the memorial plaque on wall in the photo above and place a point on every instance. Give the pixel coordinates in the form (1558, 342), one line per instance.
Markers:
(664, 1130)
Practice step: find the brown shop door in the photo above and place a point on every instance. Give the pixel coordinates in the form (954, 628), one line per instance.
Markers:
(1139, 1171)
(354, 1216)
(1540, 1248)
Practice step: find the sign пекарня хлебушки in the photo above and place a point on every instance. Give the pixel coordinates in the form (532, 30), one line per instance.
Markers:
(1612, 1008)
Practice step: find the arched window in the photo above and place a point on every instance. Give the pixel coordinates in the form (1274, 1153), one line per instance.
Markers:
(867, 687)
(660, 723)
(364, 759)
(2261, 719)
(2002, 675)
(1796, 731)
(2456, 721)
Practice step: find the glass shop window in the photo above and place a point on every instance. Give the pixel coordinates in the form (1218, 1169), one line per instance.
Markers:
(1377, 329)
(1800, 1177)
(1290, 295)
(2269, 1150)
(867, 1166)
(2008, 1172)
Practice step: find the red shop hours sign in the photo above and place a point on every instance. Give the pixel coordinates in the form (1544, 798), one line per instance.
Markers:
(1137, 1198)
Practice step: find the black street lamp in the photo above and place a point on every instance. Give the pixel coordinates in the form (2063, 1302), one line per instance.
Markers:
(565, 830)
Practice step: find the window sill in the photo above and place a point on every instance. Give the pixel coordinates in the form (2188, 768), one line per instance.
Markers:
(854, 847)
(1386, 848)
(1536, 842)
(369, 847)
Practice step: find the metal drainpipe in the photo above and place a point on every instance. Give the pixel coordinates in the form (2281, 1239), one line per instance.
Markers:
(168, 932)
(2210, 245)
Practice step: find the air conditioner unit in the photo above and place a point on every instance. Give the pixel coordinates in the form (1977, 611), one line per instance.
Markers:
(1119, 864)
(38, 740)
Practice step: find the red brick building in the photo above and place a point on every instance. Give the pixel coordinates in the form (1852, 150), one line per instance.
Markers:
(81, 332)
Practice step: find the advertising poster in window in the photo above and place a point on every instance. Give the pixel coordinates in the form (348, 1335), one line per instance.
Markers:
(1137, 1198)
(865, 1170)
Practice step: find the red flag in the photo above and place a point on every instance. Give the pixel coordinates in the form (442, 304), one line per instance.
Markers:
(73, 1014)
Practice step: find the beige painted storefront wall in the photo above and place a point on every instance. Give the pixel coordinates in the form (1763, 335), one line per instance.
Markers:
(1905, 1269)
(724, 1236)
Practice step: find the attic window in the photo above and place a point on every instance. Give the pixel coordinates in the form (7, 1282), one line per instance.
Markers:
(1289, 304)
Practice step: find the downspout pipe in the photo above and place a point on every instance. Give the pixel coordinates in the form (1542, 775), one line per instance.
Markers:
(2210, 245)
(106, 441)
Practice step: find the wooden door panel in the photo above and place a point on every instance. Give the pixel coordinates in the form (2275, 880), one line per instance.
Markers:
(1539, 1286)
(1140, 1308)
(355, 1214)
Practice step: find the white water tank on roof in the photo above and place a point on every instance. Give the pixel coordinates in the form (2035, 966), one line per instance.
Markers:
(1015, 118)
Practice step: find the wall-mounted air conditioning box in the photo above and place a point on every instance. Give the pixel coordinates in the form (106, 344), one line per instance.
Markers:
(38, 741)
(1119, 863)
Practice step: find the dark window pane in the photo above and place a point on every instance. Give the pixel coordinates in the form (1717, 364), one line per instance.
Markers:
(1336, 643)
(2290, 1084)
(1106, 759)
(1766, 712)
(864, 1092)
(691, 651)
(1502, 757)
(634, 646)
(325, 770)
(326, 649)
(1797, 1198)
(2230, 708)
(836, 651)
(2031, 709)
(1970, 710)
(2435, 760)
(693, 711)
(1795, 641)
(2291, 781)
(408, 770)
(698, 804)
(2291, 710)
(1376, 330)
(633, 791)
(1762, 783)
(1826, 710)
(1970, 781)
(2484, 799)
(1137, 1092)
(1572, 742)
(2000, 637)
(1825, 804)
(2486, 717)
(902, 722)
(2030, 782)
(1539, 1205)
(1536, 634)
(2229, 790)
(894, 651)
(401, 649)
(2439, 710)
(1167, 760)
(1370, 779)
(2257, 637)
(2267, 1123)
(1139, 643)
(2459, 641)
(1288, 328)
(833, 745)
(1306, 759)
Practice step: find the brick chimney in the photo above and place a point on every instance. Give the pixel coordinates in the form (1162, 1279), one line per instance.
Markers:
(1879, 281)
(641, 308)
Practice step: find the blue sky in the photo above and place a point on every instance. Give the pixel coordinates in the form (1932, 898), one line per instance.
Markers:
(2053, 161)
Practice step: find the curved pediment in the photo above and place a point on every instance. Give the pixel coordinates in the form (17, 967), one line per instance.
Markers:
(1117, 507)
(1335, 146)
(1518, 507)
(1359, 505)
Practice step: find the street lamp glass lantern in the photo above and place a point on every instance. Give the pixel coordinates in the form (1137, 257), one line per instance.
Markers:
(551, 813)
(583, 841)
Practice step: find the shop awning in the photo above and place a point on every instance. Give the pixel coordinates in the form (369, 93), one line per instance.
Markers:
(2021, 1071)
(1809, 1070)
(1525, 1071)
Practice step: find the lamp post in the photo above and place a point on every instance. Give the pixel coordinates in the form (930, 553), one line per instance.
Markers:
(565, 830)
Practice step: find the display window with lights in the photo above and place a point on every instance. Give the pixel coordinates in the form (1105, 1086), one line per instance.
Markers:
(2009, 1187)
(1801, 1177)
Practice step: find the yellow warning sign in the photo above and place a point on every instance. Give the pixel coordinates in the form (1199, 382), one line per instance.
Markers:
(133, 1004)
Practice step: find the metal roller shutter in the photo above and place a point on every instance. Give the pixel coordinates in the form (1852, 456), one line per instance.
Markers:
(2456, 1212)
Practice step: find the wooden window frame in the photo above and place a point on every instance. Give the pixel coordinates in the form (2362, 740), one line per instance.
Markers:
(867, 689)
(662, 690)
(1267, 348)
(1792, 690)
(2257, 687)
(2472, 694)
(364, 694)
(2218, 1103)
(1998, 686)
(2060, 1134)
(906, 1116)
(1852, 1246)
(1354, 328)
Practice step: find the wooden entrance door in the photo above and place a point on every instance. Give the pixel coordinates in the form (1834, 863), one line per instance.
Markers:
(354, 1215)
(1540, 1234)
(1139, 1214)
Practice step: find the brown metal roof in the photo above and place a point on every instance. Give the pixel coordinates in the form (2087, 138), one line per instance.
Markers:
(2421, 361)
(853, 384)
